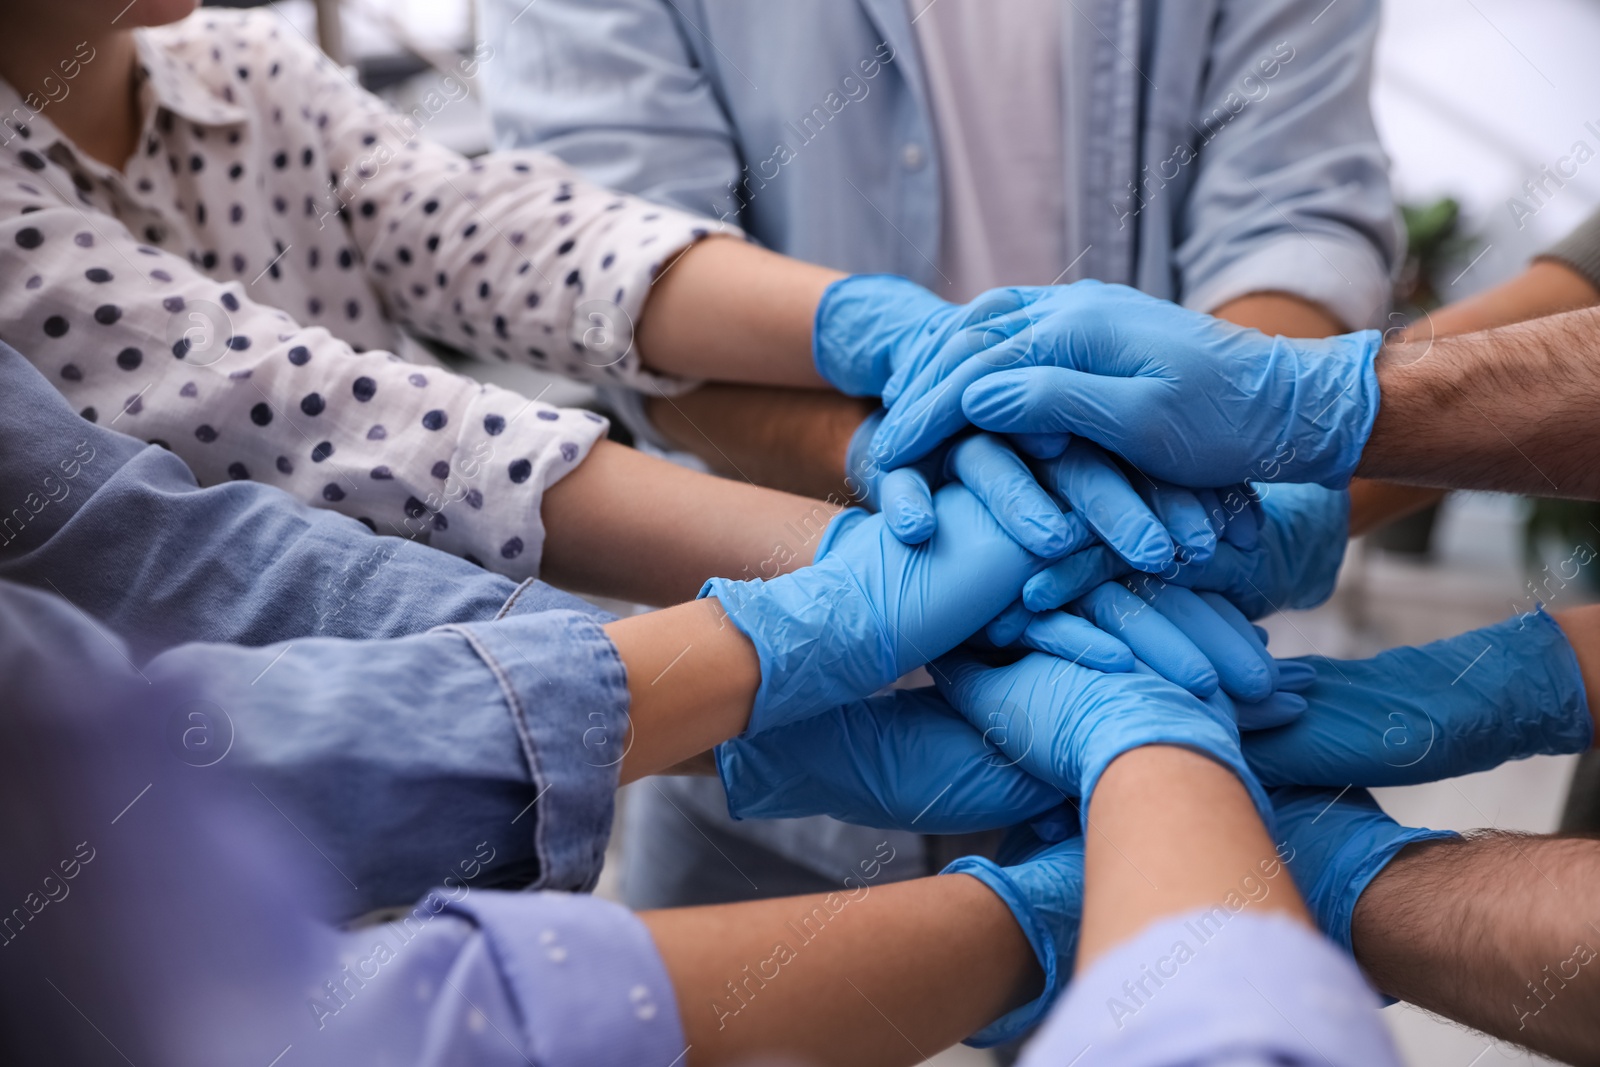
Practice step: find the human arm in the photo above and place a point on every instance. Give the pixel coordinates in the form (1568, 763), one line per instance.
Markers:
(1466, 703)
(1522, 976)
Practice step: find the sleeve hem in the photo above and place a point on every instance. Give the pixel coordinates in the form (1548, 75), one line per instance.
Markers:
(1347, 280)
(570, 711)
(588, 981)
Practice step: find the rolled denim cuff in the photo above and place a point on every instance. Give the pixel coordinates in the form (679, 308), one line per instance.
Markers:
(589, 984)
(1346, 277)
(567, 692)
(1018, 1021)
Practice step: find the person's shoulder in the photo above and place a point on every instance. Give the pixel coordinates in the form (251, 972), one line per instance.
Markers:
(254, 50)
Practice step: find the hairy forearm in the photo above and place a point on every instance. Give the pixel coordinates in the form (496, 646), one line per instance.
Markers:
(638, 528)
(788, 439)
(871, 974)
(729, 311)
(1499, 931)
(1171, 831)
(1507, 409)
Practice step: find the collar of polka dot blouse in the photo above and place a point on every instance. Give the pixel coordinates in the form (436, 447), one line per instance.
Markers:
(175, 84)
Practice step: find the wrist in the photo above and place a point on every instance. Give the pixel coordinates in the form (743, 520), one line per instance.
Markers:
(1051, 963)
(1340, 377)
(860, 322)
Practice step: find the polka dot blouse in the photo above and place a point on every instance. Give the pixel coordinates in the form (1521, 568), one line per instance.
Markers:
(238, 291)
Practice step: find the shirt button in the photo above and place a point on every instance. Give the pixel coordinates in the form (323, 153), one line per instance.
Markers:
(912, 156)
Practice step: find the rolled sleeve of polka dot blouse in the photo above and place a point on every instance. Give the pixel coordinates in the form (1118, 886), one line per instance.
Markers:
(238, 291)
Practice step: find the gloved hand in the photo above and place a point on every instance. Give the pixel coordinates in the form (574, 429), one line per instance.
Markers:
(1184, 638)
(870, 327)
(1182, 396)
(904, 495)
(1452, 707)
(1044, 890)
(1335, 843)
(1065, 724)
(870, 608)
(906, 760)
(1141, 524)
(1295, 559)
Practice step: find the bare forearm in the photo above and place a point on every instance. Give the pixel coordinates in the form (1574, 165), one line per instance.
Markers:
(692, 678)
(1171, 831)
(789, 439)
(871, 974)
(1498, 931)
(1509, 409)
(729, 311)
(634, 527)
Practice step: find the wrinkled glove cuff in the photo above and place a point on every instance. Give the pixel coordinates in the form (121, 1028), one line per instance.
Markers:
(1328, 442)
(843, 327)
(1332, 900)
(1018, 1021)
(817, 642)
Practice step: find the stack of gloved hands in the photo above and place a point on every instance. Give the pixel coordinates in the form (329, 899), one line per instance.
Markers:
(1083, 585)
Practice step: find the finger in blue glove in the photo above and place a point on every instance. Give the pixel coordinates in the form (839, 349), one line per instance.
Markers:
(1295, 562)
(1090, 480)
(1152, 636)
(995, 474)
(1069, 578)
(903, 494)
(1077, 640)
(1244, 669)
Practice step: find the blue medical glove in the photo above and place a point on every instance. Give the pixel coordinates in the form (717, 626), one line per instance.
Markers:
(871, 608)
(1452, 707)
(1065, 724)
(870, 326)
(981, 462)
(1072, 576)
(903, 495)
(999, 478)
(1335, 843)
(1223, 636)
(906, 760)
(1180, 395)
(1295, 560)
(1089, 480)
(1045, 893)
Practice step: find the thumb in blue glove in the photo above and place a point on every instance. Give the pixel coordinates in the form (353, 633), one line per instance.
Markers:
(1409, 715)
(871, 608)
(1045, 893)
(1335, 843)
(902, 761)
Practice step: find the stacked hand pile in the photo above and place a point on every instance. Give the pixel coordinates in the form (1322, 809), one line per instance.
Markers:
(1083, 497)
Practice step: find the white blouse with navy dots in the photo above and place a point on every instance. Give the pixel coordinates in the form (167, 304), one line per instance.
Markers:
(238, 291)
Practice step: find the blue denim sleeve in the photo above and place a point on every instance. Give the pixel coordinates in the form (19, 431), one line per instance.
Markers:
(1292, 190)
(174, 906)
(121, 530)
(1213, 988)
(475, 755)
(613, 88)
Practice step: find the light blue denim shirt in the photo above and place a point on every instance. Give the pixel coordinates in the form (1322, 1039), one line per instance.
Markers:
(179, 907)
(404, 761)
(1215, 147)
